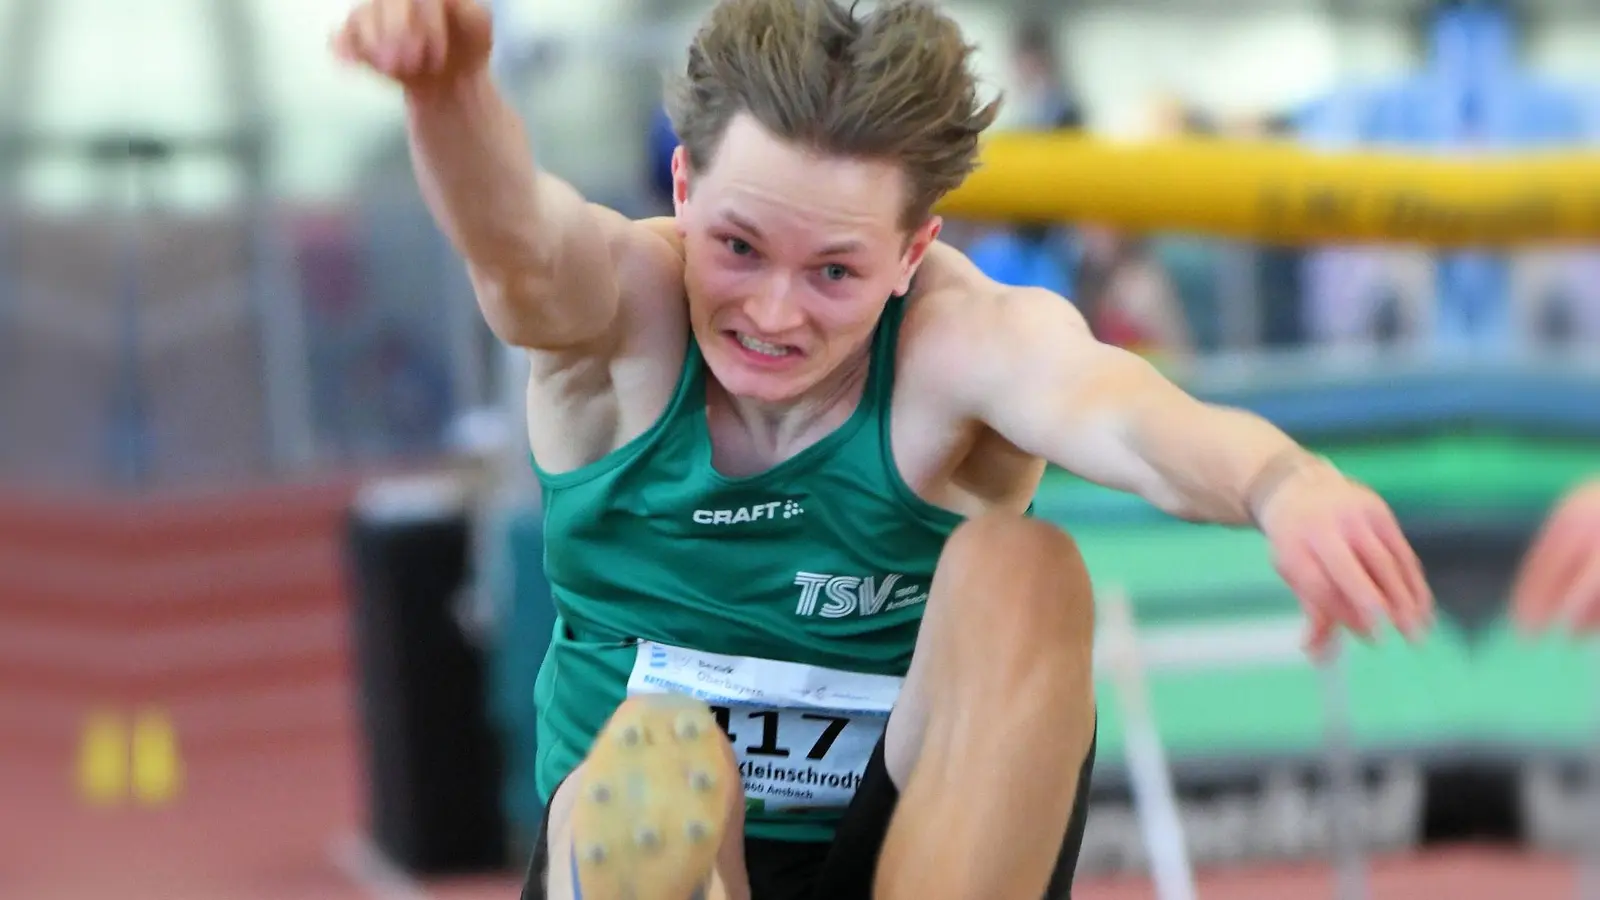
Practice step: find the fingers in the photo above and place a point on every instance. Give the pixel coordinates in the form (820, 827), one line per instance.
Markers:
(1349, 575)
(1549, 574)
(1392, 562)
(1559, 581)
(1354, 572)
(472, 20)
(402, 39)
(1326, 604)
(1579, 607)
(393, 39)
(434, 29)
(342, 44)
(1319, 635)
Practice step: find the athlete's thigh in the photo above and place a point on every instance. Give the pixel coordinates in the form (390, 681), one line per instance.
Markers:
(852, 860)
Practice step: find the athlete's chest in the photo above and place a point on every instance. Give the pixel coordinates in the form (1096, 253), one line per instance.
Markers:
(757, 538)
(829, 547)
(954, 464)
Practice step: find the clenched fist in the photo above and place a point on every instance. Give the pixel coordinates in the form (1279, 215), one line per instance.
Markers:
(1559, 584)
(418, 43)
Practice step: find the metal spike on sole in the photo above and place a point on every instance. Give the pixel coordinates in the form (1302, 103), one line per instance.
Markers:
(696, 831)
(659, 799)
(687, 729)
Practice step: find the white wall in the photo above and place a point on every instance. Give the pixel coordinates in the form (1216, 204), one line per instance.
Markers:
(108, 65)
(585, 109)
(1229, 64)
(1567, 48)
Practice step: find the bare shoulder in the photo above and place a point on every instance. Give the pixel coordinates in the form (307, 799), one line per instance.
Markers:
(664, 236)
(654, 312)
(964, 329)
(958, 356)
(647, 253)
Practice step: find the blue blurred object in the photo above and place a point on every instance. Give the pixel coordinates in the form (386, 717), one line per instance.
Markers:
(1021, 261)
(1469, 96)
(663, 141)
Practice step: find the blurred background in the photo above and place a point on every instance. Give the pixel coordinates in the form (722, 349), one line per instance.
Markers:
(270, 556)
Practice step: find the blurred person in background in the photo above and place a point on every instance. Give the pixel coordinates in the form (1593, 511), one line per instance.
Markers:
(788, 441)
(660, 144)
(1556, 298)
(1044, 92)
(1559, 585)
(1040, 255)
(1128, 299)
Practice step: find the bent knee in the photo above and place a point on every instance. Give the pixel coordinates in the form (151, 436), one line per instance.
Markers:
(998, 537)
(1021, 571)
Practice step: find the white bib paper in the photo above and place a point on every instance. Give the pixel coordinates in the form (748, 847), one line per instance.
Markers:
(802, 734)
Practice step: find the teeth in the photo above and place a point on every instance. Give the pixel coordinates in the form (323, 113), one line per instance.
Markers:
(750, 343)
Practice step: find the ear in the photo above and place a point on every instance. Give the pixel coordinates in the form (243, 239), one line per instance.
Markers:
(681, 173)
(917, 250)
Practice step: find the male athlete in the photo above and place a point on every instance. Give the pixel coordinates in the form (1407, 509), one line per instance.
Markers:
(1559, 584)
(787, 442)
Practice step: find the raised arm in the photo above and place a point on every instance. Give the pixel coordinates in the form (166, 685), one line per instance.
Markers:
(541, 259)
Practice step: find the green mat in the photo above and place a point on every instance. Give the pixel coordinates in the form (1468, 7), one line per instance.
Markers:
(1486, 472)
(1441, 696)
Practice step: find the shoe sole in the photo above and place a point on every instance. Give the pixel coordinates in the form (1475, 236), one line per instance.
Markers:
(653, 802)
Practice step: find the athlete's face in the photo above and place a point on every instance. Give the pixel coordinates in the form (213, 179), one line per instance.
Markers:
(790, 258)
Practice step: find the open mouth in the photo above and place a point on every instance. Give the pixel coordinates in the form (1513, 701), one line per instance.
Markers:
(760, 349)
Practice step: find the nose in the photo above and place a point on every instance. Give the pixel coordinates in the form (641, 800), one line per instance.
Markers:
(772, 309)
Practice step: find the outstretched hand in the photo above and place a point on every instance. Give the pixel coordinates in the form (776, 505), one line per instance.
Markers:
(1340, 549)
(1559, 582)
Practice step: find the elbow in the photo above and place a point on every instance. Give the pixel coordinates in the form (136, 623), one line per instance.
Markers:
(528, 309)
(504, 299)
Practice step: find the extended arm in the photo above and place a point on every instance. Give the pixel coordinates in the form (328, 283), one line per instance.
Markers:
(1111, 417)
(539, 256)
(1037, 377)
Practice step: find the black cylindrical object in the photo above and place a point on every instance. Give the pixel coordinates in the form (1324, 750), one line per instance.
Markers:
(433, 760)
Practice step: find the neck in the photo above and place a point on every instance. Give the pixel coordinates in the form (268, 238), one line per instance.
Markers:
(777, 430)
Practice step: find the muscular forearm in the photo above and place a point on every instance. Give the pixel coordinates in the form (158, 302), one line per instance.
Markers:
(477, 175)
(1110, 416)
(1213, 463)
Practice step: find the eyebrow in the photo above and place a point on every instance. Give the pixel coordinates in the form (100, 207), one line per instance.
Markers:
(838, 248)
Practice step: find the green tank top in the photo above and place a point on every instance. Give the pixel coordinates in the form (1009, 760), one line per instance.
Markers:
(824, 560)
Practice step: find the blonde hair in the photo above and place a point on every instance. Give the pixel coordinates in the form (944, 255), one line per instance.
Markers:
(893, 85)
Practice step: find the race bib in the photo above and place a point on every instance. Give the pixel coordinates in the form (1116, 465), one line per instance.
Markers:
(802, 734)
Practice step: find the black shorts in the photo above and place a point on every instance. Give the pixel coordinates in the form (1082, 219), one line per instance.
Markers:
(843, 869)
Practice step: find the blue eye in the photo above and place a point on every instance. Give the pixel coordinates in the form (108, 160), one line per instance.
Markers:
(835, 272)
(739, 247)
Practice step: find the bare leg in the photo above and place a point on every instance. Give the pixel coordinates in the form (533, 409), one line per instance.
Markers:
(995, 720)
(656, 812)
